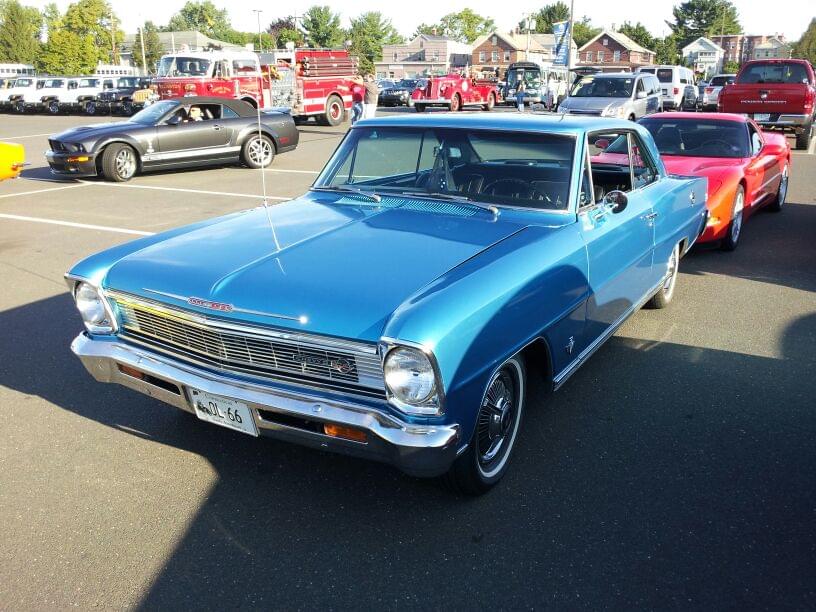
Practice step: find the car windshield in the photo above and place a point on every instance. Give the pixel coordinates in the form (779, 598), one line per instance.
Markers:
(173, 66)
(407, 84)
(23, 82)
(53, 83)
(699, 137)
(665, 75)
(773, 72)
(88, 83)
(601, 87)
(719, 81)
(151, 114)
(531, 76)
(127, 82)
(530, 170)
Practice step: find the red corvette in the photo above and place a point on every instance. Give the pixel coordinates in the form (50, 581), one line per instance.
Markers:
(746, 167)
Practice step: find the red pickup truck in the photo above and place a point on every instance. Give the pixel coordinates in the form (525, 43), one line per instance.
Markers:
(779, 94)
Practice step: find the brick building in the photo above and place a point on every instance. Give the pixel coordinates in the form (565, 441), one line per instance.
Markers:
(741, 47)
(425, 54)
(612, 51)
(500, 49)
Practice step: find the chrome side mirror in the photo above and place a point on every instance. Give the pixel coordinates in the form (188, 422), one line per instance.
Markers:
(616, 201)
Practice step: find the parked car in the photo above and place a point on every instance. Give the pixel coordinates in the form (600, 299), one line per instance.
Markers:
(438, 265)
(399, 94)
(50, 95)
(454, 92)
(619, 94)
(12, 160)
(711, 92)
(85, 92)
(120, 99)
(178, 133)
(747, 169)
(778, 94)
(383, 84)
(23, 95)
(677, 87)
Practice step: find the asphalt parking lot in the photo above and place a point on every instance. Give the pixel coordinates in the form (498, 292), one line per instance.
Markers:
(675, 470)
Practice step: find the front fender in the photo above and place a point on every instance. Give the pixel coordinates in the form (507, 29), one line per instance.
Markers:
(531, 285)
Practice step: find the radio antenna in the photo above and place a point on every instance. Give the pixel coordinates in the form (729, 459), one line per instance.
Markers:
(262, 163)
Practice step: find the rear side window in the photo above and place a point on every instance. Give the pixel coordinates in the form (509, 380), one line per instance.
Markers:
(665, 75)
(773, 72)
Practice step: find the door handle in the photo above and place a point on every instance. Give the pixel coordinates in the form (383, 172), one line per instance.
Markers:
(216, 127)
(649, 217)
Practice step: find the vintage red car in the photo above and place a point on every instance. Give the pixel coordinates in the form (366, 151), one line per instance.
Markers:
(747, 169)
(455, 91)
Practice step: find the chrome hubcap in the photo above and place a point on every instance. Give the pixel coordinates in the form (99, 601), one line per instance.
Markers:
(496, 418)
(668, 286)
(736, 221)
(783, 186)
(260, 151)
(125, 163)
(335, 110)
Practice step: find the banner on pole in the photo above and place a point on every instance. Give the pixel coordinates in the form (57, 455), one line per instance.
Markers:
(562, 39)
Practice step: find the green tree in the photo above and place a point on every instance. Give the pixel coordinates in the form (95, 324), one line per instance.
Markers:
(96, 19)
(465, 26)
(666, 50)
(546, 16)
(19, 32)
(731, 67)
(52, 18)
(639, 34)
(583, 31)
(805, 47)
(695, 18)
(67, 52)
(284, 31)
(323, 27)
(202, 17)
(429, 30)
(152, 45)
(369, 32)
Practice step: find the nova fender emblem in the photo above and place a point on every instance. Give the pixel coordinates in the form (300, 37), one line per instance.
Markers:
(570, 345)
(219, 306)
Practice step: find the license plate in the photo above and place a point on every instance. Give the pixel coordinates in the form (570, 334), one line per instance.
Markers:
(223, 411)
(762, 116)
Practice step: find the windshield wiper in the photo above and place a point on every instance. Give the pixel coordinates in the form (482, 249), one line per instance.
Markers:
(453, 198)
(375, 197)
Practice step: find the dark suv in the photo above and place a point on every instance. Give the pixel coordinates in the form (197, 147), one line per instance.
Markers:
(119, 99)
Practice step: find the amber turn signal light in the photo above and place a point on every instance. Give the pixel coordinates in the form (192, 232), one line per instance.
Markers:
(131, 371)
(78, 158)
(340, 431)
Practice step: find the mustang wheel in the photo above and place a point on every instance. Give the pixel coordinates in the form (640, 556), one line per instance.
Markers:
(664, 295)
(781, 192)
(484, 462)
(258, 152)
(729, 243)
(119, 162)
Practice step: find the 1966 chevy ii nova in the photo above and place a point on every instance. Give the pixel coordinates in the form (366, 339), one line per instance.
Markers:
(398, 310)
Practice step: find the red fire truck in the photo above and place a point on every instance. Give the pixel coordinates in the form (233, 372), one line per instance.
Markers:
(454, 92)
(310, 82)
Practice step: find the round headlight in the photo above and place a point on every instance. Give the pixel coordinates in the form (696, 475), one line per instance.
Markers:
(409, 375)
(90, 306)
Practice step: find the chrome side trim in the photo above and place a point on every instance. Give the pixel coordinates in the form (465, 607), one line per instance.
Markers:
(568, 371)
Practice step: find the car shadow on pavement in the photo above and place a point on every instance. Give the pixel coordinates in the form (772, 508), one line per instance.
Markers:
(662, 475)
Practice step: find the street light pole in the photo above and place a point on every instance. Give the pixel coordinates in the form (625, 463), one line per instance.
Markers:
(260, 39)
(569, 36)
(144, 58)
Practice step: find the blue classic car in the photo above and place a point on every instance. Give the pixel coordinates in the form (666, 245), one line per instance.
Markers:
(398, 310)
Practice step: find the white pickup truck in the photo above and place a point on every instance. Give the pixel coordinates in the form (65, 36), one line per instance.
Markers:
(82, 98)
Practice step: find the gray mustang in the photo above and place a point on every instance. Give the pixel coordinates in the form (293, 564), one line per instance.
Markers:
(182, 133)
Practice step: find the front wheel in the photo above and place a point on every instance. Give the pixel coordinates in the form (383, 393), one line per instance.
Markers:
(53, 107)
(127, 108)
(781, 192)
(420, 108)
(90, 107)
(485, 461)
(732, 234)
(491, 102)
(119, 162)
(663, 297)
(258, 151)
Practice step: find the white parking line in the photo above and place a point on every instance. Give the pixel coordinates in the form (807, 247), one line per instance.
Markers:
(24, 137)
(293, 171)
(812, 148)
(200, 191)
(103, 228)
(25, 193)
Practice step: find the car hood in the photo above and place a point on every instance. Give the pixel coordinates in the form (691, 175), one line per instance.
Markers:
(715, 169)
(95, 131)
(332, 265)
(592, 104)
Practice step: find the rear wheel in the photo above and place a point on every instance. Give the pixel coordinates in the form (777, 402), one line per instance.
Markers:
(20, 107)
(781, 192)
(52, 107)
(119, 162)
(663, 297)
(491, 102)
(420, 108)
(485, 461)
(258, 152)
(803, 139)
(732, 234)
(334, 111)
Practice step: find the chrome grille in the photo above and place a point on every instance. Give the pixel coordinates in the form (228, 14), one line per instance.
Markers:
(244, 349)
(107, 96)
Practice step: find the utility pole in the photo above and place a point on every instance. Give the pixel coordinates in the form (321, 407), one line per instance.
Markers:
(113, 39)
(569, 35)
(260, 39)
(528, 22)
(144, 59)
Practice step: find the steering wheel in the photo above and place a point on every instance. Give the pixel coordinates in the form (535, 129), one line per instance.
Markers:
(524, 192)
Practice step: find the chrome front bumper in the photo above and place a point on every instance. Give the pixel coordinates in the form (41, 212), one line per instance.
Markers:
(421, 450)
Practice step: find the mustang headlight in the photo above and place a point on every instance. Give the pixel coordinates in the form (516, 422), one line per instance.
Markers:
(75, 147)
(92, 308)
(411, 380)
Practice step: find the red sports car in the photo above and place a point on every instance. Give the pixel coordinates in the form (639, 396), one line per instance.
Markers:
(746, 167)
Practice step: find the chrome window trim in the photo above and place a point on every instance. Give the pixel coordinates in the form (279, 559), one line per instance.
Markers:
(435, 405)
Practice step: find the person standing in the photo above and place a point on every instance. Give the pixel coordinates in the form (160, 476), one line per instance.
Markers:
(357, 98)
(520, 95)
(372, 95)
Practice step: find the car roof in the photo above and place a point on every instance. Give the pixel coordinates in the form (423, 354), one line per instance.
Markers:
(681, 115)
(522, 122)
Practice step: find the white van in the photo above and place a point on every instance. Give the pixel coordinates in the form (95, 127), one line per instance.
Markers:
(678, 90)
